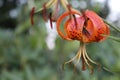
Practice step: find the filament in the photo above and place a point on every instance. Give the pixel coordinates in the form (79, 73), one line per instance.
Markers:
(79, 56)
(73, 58)
(85, 58)
(92, 60)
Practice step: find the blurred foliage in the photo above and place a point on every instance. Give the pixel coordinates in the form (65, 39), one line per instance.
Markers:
(24, 54)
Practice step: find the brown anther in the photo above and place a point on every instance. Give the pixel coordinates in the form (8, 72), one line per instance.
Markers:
(56, 11)
(44, 12)
(83, 64)
(50, 17)
(86, 19)
(92, 71)
(75, 69)
(99, 67)
(32, 15)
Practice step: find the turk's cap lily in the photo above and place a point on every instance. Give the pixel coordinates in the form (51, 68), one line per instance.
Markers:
(88, 27)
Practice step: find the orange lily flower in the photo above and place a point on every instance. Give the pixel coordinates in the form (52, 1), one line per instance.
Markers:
(86, 28)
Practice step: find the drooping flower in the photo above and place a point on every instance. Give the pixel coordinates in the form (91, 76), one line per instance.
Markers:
(86, 28)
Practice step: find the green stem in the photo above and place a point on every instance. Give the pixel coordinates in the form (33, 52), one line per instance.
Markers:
(112, 37)
(48, 5)
(114, 27)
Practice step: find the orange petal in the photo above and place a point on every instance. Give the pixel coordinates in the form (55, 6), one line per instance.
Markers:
(96, 20)
(90, 28)
(99, 25)
(73, 31)
(60, 19)
(107, 32)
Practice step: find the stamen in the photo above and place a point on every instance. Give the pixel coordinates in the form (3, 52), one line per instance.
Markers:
(85, 23)
(92, 60)
(44, 12)
(56, 10)
(75, 69)
(85, 32)
(75, 21)
(69, 8)
(79, 56)
(50, 17)
(83, 64)
(86, 19)
(72, 59)
(85, 58)
(32, 15)
(86, 61)
(69, 61)
(89, 58)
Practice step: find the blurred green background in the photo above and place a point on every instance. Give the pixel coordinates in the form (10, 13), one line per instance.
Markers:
(25, 55)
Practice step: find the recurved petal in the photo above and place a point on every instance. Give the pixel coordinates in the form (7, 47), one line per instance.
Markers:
(89, 34)
(96, 20)
(105, 34)
(60, 19)
(99, 26)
